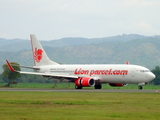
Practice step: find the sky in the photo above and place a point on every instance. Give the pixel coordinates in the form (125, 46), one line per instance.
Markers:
(56, 19)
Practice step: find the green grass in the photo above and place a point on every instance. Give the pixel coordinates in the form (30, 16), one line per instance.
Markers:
(71, 86)
(79, 106)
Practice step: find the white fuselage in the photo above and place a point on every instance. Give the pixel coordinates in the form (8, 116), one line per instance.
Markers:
(112, 73)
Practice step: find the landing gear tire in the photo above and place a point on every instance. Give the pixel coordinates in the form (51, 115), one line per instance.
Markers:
(99, 86)
(140, 87)
(78, 87)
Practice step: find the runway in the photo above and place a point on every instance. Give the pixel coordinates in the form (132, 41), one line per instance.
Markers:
(82, 90)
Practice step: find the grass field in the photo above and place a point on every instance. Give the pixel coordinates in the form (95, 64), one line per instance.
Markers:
(71, 86)
(79, 106)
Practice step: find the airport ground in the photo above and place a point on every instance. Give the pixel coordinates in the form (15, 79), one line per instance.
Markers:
(62, 102)
(86, 105)
(65, 87)
(72, 86)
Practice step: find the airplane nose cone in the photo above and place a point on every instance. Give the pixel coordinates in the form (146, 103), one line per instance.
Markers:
(151, 76)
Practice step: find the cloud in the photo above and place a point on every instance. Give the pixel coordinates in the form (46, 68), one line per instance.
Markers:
(52, 19)
(139, 3)
(144, 25)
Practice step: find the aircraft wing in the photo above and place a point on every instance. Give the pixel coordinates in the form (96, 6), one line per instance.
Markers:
(43, 74)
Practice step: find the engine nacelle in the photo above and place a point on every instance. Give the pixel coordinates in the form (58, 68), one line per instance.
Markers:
(118, 84)
(85, 82)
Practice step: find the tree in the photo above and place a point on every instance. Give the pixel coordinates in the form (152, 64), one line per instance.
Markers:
(11, 76)
(156, 71)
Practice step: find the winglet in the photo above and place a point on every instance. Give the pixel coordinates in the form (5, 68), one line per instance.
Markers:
(10, 66)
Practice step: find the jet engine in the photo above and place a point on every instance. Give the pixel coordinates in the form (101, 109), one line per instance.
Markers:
(118, 84)
(84, 82)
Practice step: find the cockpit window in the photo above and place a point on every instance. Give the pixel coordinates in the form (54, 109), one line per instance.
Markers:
(144, 71)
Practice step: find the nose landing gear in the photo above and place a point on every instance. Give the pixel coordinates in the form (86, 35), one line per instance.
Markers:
(141, 84)
(140, 87)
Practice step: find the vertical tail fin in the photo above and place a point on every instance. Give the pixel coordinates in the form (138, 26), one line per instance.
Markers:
(39, 55)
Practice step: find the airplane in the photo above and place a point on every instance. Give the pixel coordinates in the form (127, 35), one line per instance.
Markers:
(87, 75)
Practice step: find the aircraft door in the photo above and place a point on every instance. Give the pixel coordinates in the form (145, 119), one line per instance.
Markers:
(133, 72)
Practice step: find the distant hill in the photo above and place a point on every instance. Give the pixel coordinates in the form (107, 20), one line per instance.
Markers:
(136, 49)
(11, 44)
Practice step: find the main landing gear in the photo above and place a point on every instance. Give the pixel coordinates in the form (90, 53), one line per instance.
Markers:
(78, 87)
(97, 86)
(140, 87)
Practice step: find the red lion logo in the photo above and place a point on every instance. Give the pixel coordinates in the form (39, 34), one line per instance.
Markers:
(37, 55)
